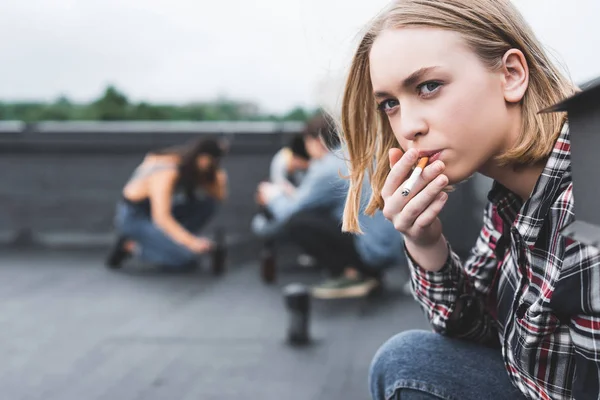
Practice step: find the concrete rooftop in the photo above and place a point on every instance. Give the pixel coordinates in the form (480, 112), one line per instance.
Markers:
(73, 330)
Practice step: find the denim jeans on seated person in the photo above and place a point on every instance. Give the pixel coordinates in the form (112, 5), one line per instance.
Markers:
(422, 365)
(154, 246)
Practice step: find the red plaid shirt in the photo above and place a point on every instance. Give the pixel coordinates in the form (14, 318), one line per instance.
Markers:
(526, 289)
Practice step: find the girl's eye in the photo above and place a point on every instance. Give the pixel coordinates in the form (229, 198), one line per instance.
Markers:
(428, 88)
(388, 105)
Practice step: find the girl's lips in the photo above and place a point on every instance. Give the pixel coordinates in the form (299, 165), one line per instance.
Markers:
(435, 156)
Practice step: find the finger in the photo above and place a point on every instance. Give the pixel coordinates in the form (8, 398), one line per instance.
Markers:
(431, 212)
(205, 246)
(419, 203)
(430, 172)
(399, 173)
(397, 202)
(395, 155)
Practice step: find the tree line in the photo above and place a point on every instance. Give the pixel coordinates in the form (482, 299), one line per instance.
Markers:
(113, 105)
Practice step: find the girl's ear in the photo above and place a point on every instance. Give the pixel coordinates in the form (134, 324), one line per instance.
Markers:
(515, 73)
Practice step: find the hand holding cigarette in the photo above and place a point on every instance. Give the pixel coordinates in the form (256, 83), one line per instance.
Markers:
(413, 198)
(408, 186)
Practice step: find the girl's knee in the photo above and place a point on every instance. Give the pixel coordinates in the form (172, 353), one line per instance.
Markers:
(397, 360)
(400, 348)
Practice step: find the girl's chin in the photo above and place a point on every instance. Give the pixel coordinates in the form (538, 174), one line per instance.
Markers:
(456, 177)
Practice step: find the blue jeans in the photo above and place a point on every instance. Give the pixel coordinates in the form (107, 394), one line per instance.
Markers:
(421, 365)
(153, 244)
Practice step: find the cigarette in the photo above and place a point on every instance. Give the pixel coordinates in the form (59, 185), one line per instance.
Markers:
(408, 186)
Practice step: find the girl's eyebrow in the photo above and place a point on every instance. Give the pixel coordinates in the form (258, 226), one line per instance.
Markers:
(416, 76)
(410, 81)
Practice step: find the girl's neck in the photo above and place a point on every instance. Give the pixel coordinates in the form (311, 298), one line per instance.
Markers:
(519, 180)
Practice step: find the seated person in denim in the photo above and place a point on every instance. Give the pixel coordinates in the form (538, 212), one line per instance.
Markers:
(311, 218)
(171, 195)
(289, 164)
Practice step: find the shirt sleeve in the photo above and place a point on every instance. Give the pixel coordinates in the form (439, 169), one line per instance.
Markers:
(585, 334)
(455, 297)
(583, 274)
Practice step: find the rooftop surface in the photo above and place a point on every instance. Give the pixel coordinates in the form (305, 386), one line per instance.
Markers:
(73, 330)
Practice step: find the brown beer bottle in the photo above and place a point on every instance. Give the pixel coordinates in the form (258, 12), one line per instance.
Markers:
(219, 253)
(268, 271)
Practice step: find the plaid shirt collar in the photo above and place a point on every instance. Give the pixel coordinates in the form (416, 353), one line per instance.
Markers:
(528, 217)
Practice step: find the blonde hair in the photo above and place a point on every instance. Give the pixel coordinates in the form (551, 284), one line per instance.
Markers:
(490, 28)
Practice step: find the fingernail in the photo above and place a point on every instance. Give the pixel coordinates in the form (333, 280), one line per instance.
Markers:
(412, 154)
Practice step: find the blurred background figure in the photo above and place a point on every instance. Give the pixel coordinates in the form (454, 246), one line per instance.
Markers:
(289, 164)
(287, 170)
(311, 216)
(356, 264)
(320, 190)
(171, 195)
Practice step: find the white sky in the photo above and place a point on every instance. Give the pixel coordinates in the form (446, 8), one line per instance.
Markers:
(274, 52)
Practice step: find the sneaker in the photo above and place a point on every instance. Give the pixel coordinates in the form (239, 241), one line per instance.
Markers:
(117, 254)
(344, 287)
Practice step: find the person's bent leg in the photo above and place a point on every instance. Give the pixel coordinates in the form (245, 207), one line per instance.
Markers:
(322, 238)
(156, 247)
(118, 251)
(426, 365)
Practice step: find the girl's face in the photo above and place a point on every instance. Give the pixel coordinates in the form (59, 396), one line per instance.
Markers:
(440, 99)
(204, 162)
(207, 166)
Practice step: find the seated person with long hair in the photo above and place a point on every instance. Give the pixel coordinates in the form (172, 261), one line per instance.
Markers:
(171, 195)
